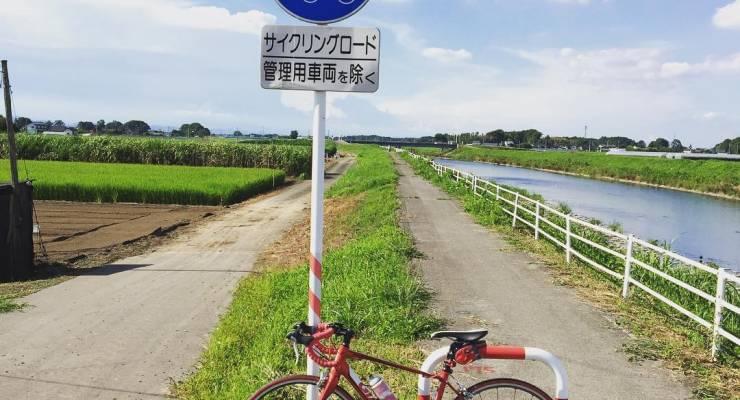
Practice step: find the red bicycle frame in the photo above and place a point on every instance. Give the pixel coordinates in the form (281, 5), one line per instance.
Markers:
(339, 367)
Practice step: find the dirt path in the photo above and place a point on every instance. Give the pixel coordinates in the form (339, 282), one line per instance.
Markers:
(125, 330)
(479, 282)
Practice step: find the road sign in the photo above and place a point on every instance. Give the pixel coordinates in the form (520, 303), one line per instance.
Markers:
(322, 11)
(325, 59)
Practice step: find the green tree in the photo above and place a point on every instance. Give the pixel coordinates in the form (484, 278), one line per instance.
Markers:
(194, 129)
(294, 134)
(3, 124)
(21, 123)
(100, 126)
(136, 127)
(85, 126)
(676, 145)
(440, 137)
(659, 144)
(238, 133)
(113, 127)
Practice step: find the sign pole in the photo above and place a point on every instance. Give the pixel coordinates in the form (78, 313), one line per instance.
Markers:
(317, 221)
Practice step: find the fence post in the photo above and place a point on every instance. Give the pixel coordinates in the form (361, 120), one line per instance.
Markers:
(498, 188)
(537, 221)
(475, 185)
(567, 238)
(718, 299)
(628, 267)
(516, 207)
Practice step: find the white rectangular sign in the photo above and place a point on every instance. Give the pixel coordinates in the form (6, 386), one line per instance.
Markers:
(320, 58)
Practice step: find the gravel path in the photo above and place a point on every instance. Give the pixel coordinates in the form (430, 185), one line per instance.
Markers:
(480, 282)
(125, 330)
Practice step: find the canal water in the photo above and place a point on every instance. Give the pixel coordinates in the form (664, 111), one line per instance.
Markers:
(694, 225)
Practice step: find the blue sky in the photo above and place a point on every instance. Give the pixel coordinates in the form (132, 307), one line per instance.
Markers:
(642, 69)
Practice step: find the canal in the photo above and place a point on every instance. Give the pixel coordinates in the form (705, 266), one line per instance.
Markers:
(693, 225)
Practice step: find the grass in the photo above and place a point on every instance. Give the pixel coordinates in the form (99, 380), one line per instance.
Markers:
(709, 176)
(294, 160)
(368, 285)
(161, 184)
(661, 332)
(429, 151)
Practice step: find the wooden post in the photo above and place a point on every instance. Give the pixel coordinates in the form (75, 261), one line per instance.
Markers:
(627, 267)
(718, 299)
(11, 132)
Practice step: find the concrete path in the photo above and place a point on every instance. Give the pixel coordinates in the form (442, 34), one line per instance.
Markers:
(125, 330)
(479, 282)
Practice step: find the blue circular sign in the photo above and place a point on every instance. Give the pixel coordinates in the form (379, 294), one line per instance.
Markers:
(322, 11)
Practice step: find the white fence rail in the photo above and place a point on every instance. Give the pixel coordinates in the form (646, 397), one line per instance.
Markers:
(521, 205)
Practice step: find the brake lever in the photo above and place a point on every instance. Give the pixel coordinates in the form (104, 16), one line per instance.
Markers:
(297, 353)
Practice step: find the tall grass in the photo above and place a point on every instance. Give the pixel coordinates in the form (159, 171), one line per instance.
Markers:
(489, 211)
(711, 176)
(162, 184)
(294, 160)
(367, 285)
(330, 145)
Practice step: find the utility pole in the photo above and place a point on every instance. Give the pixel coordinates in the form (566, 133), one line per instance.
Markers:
(11, 133)
(585, 133)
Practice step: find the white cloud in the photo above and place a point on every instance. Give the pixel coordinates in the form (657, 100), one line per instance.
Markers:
(447, 55)
(146, 25)
(726, 65)
(302, 100)
(580, 2)
(710, 115)
(608, 87)
(728, 17)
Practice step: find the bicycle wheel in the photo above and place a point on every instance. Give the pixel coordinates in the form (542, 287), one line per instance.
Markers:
(294, 387)
(505, 389)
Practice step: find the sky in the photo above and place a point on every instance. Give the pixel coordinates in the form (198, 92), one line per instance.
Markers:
(642, 69)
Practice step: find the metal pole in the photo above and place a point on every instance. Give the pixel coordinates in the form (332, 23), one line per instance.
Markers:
(516, 206)
(537, 221)
(317, 221)
(11, 132)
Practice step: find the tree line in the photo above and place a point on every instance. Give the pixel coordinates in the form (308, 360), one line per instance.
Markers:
(532, 138)
(132, 127)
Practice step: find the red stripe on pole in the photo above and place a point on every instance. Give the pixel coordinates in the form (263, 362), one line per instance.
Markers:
(314, 303)
(315, 267)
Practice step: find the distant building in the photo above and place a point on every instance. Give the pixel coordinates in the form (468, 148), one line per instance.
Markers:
(38, 127)
(65, 132)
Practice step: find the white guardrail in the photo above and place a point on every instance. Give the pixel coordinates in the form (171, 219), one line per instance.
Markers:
(522, 204)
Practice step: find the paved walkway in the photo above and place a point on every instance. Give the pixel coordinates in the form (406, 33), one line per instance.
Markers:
(125, 330)
(479, 282)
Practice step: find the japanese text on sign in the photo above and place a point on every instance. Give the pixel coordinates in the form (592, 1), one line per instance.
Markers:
(320, 58)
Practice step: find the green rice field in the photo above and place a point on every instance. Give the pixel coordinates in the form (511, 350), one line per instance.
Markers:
(294, 160)
(136, 183)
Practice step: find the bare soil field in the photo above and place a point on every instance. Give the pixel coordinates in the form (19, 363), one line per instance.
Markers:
(72, 231)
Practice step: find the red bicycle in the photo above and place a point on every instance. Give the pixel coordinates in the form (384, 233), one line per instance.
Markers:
(466, 347)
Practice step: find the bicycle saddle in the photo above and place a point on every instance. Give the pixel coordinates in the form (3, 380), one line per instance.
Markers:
(461, 336)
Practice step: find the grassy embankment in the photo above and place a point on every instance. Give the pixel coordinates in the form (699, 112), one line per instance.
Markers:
(429, 151)
(660, 331)
(294, 160)
(367, 285)
(162, 184)
(708, 176)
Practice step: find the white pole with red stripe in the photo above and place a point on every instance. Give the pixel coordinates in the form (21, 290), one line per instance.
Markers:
(317, 220)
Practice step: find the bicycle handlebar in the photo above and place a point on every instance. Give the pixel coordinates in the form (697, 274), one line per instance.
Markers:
(311, 337)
